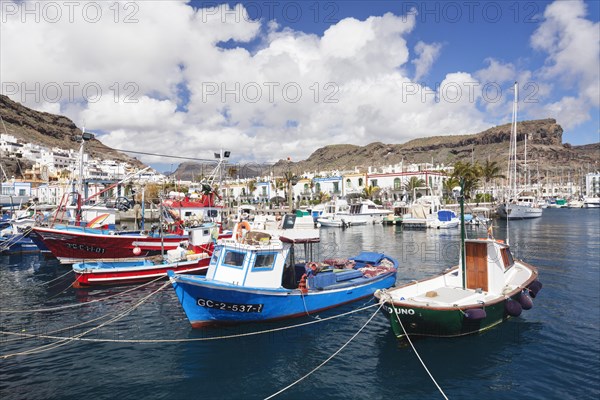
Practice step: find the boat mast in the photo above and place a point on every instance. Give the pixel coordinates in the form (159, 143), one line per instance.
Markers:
(512, 159)
(462, 233)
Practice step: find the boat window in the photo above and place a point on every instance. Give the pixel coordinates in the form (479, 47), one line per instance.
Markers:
(234, 258)
(212, 213)
(264, 261)
(215, 256)
(507, 258)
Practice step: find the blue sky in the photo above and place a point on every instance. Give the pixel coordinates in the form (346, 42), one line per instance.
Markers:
(275, 79)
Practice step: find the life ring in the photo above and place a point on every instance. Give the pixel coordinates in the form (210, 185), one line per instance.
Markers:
(238, 229)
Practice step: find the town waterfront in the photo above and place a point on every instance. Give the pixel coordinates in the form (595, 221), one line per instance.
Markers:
(552, 351)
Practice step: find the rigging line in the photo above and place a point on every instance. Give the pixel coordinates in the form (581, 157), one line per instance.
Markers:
(80, 304)
(329, 358)
(390, 300)
(161, 155)
(66, 341)
(152, 341)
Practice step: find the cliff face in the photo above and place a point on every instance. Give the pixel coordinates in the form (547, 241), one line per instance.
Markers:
(545, 150)
(50, 130)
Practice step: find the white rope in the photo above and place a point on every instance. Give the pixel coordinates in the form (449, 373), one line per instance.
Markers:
(386, 294)
(328, 359)
(55, 279)
(78, 304)
(66, 341)
(151, 341)
(68, 328)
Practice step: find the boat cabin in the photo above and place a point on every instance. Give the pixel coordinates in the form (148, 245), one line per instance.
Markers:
(485, 263)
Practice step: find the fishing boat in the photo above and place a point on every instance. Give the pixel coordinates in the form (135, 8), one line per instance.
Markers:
(189, 257)
(14, 239)
(71, 244)
(489, 287)
(259, 277)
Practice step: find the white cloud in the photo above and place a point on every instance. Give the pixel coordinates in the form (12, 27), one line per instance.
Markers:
(427, 54)
(572, 43)
(294, 93)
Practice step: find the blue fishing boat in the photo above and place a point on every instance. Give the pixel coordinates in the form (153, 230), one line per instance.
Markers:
(259, 276)
(14, 239)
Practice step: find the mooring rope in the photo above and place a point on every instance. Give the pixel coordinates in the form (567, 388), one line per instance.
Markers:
(329, 358)
(66, 341)
(7, 244)
(55, 279)
(153, 341)
(390, 300)
(78, 304)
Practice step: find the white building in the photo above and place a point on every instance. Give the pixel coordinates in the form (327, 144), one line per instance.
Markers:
(592, 184)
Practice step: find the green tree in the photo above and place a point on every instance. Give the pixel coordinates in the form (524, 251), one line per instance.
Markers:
(450, 184)
(490, 171)
(413, 183)
(371, 191)
(470, 173)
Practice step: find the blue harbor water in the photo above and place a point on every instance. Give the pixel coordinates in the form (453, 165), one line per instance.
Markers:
(551, 352)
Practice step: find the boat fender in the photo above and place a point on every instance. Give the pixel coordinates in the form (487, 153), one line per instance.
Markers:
(525, 300)
(475, 314)
(534, 287)
(137, 251)
(302, 284)
(513, 308)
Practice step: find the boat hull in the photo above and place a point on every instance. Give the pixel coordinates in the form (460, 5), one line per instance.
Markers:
(516, 211)
(121, 272)
(72, 245)
(443, 322)
(207, 304)
(18, 243)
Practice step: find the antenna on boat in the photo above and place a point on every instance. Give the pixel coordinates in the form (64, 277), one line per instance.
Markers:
(461, 201)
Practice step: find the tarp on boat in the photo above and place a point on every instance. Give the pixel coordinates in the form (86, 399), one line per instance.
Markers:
(445, 215)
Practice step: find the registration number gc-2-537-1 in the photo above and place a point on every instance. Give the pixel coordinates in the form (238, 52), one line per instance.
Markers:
(221, 305)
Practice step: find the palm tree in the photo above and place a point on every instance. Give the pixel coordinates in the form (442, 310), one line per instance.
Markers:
(489, 171)
(251, 185)
(412, 184)
(470, 173)
(370, 191)
(323, 197)
(449, 185)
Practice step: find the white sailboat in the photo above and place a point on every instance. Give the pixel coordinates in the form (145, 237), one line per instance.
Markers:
(518, 204)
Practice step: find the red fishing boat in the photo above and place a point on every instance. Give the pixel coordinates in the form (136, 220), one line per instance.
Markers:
(188, 257)
(72, 244)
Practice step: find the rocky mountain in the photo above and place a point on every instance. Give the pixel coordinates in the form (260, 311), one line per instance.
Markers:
(545, 150)
(546, 153)
(48, 130)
